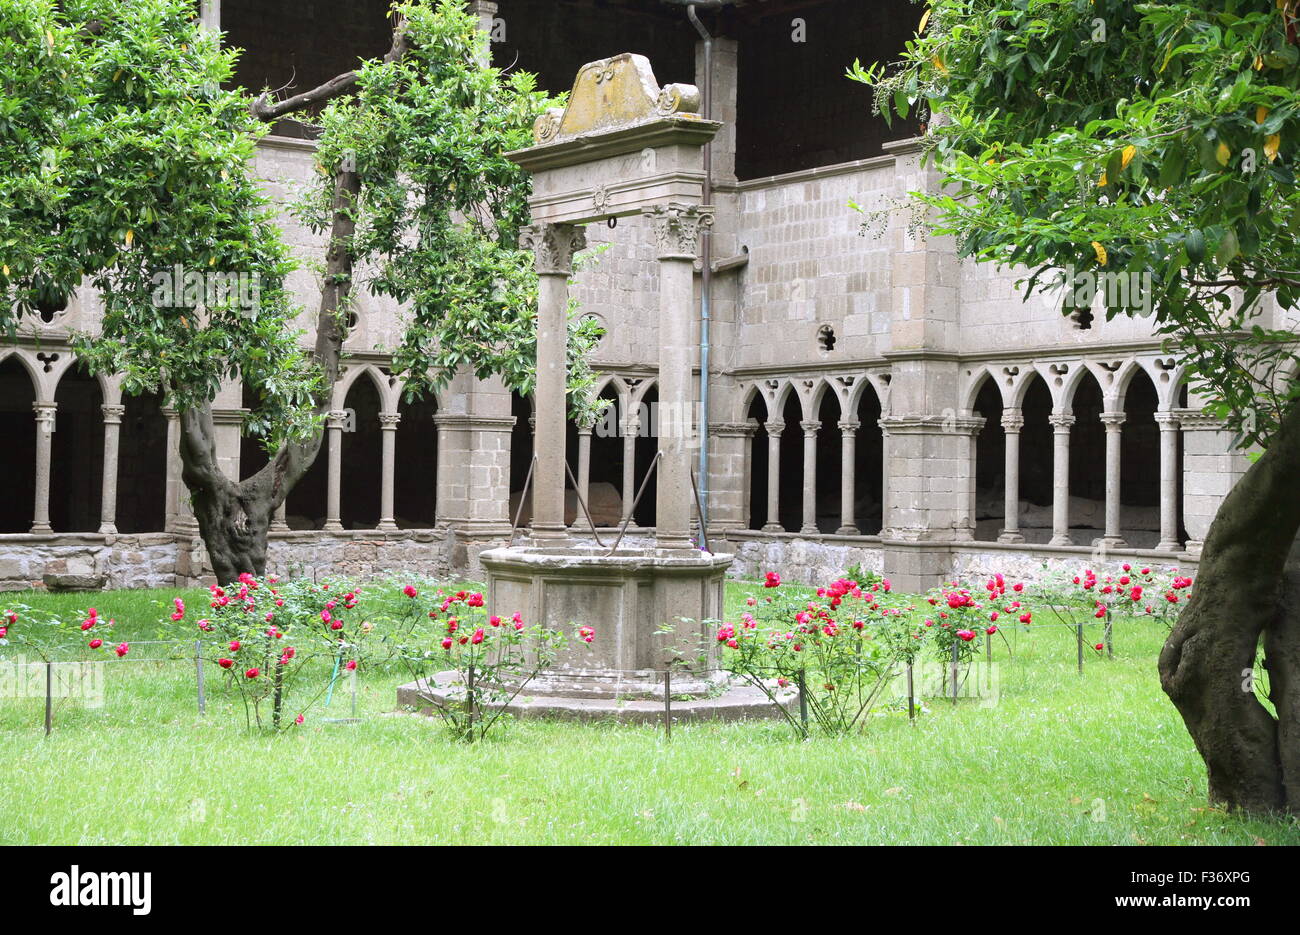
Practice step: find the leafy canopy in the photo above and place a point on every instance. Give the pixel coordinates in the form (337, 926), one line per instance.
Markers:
(127, 156)
(1151, 138)
(441, 207)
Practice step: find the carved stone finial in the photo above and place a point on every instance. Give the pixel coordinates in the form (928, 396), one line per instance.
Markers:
(615, 92)
(677, 228)
(554, 246)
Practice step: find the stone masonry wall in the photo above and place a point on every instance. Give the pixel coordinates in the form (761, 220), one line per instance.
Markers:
(821, 560)
(147, 561)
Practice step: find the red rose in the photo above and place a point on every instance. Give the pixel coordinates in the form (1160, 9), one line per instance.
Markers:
(252, 673)
(409, 591)
(96, 643)
(121, 649)
(225, 663)
(966, 635)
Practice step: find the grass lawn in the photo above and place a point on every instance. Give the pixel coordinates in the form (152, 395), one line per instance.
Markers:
(1101, 759)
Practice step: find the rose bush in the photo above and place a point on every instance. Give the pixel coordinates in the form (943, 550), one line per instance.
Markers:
(49, 636)
(265, 635)
(840, 651)
(1081, 598)
(844, 647)
(476, 662)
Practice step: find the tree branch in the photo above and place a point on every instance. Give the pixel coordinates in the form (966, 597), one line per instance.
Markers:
(265, 109)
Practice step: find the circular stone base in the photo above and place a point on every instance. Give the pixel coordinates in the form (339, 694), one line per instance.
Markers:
(734, 702)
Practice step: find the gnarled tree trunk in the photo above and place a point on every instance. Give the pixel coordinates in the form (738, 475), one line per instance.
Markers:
(234, 517)
(1245, 596)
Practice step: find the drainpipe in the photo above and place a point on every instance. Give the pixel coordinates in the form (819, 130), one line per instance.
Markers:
(706, 281)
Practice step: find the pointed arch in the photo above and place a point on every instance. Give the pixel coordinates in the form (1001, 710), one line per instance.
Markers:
(990, 459)
(18, 392)
(77, 451)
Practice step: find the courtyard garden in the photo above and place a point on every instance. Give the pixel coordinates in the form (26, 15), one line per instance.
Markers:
(1062, 752)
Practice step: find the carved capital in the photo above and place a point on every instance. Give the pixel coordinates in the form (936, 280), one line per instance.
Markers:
(1013, 420)
(810, 426)
(774, 427)
(45, 415)
(1061, 421)
(850, 425)
(677, 228)
(336, 419)
(733, 429)
(1113, 420)
(388, 420)
(113, 414)
(554, 246)
(1168, 421)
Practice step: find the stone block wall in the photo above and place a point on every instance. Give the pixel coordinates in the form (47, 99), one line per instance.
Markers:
(146, 561)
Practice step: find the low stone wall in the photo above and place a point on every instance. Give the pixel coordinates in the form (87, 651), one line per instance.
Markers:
(1029, 563)
(817, 560)
(162, 560)
(359, 554)
(159, 560)
(801, 560)
(144, 561)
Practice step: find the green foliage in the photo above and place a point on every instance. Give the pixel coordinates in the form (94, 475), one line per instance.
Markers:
(482, 661)
(441, 207)
(1151, 138)
(130, 162)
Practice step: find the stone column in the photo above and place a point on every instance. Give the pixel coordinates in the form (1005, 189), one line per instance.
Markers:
(848, 477)
(474, 434)
(810, 428)
(773, 522)
(279, 519)
(388, 433)
(584, 473)
(554, 246)
(1169, 426)
(334, 487)
(631, 430)
(1114, 422)
(485, 11)
(676, 227)
(1212, 464)
(1013, 421)
(108, 499)
(968, 429)
(731, 465)
(884, 478)
(1061, 423)
(210, 15)
(44, 442)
